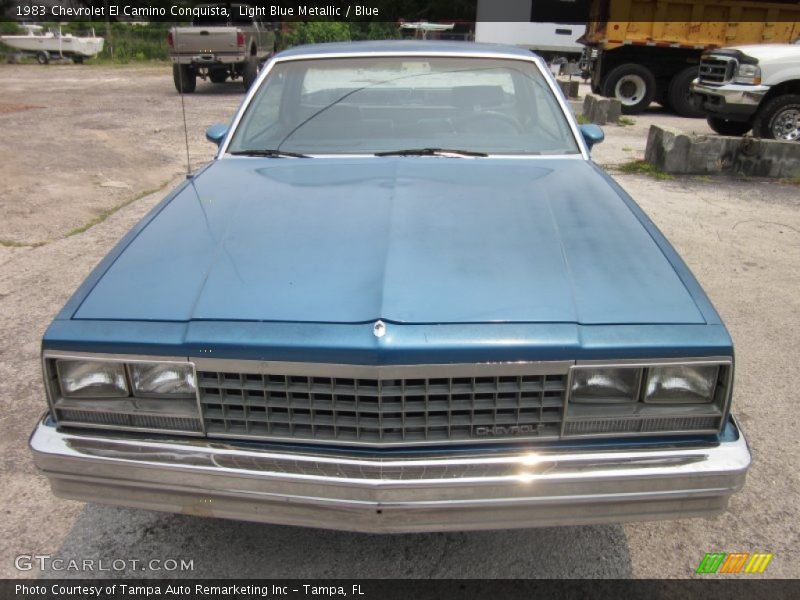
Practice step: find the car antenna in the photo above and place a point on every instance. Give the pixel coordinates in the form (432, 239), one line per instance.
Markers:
(185, 129)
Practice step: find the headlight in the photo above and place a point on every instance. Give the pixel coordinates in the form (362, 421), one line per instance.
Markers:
(605, 385)
(676, 397)
(92, 379)
(748, 74)
(148, 395)
(681, 384)
(162, 379)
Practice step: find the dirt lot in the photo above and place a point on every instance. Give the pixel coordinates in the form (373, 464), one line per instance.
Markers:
(82, 141)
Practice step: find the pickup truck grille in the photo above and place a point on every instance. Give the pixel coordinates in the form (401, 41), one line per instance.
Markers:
(382, 411)
(717, 70)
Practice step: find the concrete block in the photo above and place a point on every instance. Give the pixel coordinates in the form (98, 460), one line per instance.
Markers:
(569, 88)
(600, 110)
(674, 151)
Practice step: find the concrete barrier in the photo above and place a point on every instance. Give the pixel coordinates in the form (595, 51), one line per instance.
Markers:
(569, 88)
(601, 111)
(674, 151)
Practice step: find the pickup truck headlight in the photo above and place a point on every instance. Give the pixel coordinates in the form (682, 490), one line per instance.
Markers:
(142, 395)
(647, 399)
(748, 74)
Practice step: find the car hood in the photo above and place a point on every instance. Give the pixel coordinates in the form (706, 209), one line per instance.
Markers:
(769, 51)
(404, 239)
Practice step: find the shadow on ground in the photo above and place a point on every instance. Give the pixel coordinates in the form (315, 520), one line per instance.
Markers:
(221, 548)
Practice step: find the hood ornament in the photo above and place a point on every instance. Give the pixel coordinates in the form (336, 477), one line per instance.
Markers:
(379, 329)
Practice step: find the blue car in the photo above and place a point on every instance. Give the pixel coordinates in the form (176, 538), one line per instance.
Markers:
(401, 298)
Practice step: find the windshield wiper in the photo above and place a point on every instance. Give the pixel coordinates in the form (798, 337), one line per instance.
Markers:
(431, 152)
(269, 153)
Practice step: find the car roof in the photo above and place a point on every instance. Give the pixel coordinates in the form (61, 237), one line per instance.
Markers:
(408, 46)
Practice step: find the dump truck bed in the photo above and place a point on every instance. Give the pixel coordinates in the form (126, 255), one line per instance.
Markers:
(698, 24)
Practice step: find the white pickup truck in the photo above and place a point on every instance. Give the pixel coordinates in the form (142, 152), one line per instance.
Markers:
(223, 44)
(751, 87)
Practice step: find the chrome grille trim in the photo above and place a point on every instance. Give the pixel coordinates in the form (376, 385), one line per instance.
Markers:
(382, 405)
(717, 70)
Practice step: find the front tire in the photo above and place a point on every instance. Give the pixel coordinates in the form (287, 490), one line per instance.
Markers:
(42, 57)
(679, 94)
(779, 119)
(185, 78)
(633, 85)
(725, 127)
(250, 72)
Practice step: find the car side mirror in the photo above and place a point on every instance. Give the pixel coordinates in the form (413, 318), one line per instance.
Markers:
(216, 133)
(592, 134)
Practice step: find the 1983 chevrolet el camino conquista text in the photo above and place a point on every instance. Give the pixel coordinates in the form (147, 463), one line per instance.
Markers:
(401, 298)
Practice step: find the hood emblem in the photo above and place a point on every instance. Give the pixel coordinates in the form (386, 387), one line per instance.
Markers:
(379, 329)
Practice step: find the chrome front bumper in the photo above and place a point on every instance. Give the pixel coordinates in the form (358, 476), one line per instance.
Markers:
(731, 101)
(435, 492)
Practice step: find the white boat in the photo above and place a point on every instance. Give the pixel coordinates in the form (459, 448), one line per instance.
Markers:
(54, 44)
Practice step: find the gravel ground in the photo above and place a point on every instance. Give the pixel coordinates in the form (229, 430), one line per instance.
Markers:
(82, 141)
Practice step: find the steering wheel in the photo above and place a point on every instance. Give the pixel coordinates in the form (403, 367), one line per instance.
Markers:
(507, 124)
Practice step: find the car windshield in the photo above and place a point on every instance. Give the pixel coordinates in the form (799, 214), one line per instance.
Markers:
(389, 104)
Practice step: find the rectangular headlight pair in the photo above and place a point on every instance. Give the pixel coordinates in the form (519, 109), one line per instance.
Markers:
(641, 398)
(99, 379)
(662, 384)
(157, 395)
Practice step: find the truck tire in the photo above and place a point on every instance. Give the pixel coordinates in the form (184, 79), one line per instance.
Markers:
(250, 72)
(725, 127)
(633, 85)
(779, 119)
(185, 78)
(679, 93)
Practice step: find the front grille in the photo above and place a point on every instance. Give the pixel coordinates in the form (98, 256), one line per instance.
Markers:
(381, 411)
(717, 70)
(116, 419)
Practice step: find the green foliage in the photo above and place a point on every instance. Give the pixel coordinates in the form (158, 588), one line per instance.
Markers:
(9, 28)
(314, 32)
(318, 32)
(125, 43)
(374, 31)
(641, 167)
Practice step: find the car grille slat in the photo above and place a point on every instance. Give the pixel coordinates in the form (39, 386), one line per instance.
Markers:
(381, 411)
(716, 70)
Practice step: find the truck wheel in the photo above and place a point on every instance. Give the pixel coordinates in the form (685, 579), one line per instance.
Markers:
(725, 127)
(42, 57)
(218, 76)
(679, 94)
(250, 72)
(779, 119)
(185, 78)
(633, 85)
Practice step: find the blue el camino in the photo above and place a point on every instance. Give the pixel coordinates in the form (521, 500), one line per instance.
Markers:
(401, 298)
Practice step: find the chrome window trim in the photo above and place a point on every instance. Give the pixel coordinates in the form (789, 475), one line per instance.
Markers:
(722, 361)
(48, 355)
(546, 75)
